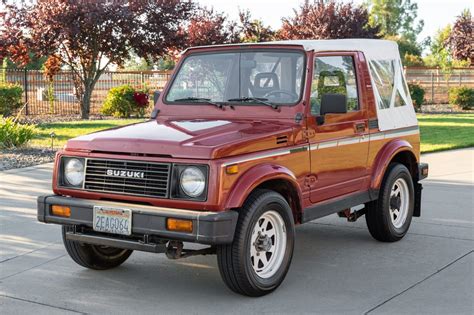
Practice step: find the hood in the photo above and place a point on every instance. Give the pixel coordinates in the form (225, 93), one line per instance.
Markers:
(198, 138)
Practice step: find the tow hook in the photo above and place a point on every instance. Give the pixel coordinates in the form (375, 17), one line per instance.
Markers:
(175, 250)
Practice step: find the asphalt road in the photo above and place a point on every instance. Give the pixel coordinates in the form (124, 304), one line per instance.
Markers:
(337, 267)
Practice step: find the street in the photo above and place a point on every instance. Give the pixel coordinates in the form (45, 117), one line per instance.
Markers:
(337, 266)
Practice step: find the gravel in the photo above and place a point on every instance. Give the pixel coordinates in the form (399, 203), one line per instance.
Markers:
(24, 157)
(54, 119)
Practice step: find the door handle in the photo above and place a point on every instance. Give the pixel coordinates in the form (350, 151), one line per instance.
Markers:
(359, 127)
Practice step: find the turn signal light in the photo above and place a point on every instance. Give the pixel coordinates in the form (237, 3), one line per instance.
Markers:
(61, 211)
(232, 169)
(179, 225)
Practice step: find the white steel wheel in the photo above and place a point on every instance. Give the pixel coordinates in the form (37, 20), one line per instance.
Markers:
(399, 203)
(258, 259)
(388, 218)
(268, 244)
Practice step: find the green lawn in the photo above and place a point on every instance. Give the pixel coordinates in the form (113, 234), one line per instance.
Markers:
(446, 132)
(438, 132)
(67, 130)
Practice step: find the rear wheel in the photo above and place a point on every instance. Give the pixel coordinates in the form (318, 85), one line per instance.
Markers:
(94, 256)
(389, 217)
(257, 261)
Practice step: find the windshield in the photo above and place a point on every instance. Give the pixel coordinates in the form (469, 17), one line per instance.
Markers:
(236, 77)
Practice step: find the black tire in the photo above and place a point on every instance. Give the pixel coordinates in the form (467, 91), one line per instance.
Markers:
(234, 260)
(378, 216)
(94, 256)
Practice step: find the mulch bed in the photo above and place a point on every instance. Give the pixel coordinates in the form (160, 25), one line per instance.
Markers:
(24, 157)
(444, 109)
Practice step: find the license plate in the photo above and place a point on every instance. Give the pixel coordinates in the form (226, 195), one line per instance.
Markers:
(112, 220)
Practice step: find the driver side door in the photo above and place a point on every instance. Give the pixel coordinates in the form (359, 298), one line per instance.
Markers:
(339, 147)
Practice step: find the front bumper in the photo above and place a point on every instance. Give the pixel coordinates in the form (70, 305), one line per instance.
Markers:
(208, 227)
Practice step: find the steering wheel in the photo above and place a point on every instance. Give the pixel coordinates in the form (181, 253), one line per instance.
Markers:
(293, 95)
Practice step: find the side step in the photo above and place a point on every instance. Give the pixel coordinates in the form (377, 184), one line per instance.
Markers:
(115, 242)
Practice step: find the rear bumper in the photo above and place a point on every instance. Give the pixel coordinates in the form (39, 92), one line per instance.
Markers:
(423, 170)
(422, 174)
(208, 227)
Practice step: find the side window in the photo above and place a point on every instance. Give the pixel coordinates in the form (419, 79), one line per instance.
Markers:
(334, 75)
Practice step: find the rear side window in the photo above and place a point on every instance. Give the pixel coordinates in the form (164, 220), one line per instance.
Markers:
(334, 75)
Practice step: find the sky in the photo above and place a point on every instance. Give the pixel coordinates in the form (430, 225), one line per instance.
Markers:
(435, 13)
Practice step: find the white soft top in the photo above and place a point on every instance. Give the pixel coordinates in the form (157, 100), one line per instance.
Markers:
(394, 105)
(372, 48)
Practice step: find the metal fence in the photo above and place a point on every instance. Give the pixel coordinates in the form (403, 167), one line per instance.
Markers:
(58, 97)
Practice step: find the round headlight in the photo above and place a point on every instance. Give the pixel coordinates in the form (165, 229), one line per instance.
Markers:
(74, 172)
(192, 181)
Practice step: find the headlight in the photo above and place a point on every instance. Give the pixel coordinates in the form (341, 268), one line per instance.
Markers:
(74, 172)
(192, 181)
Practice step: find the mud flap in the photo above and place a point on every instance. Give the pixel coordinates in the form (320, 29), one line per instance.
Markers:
(417, 208)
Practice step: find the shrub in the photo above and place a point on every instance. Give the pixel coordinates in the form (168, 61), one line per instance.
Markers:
(462, 96)
(10, 98)
(417, 95)
(124, 101)
(14, 134)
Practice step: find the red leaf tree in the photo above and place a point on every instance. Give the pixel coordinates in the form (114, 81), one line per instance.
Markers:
(87, 35)
(461, 39)
(207, 27)
(328, 20)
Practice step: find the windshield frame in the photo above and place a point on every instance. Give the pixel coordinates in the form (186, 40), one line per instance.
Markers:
(236, 50)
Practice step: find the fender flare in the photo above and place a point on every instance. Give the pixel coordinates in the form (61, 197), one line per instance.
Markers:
(255, 176)
(383, 158)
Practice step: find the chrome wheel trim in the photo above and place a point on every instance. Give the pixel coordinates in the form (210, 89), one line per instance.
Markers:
(399, 203)
(268, 244)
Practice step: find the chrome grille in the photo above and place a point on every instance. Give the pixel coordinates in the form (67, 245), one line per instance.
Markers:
(154, 183)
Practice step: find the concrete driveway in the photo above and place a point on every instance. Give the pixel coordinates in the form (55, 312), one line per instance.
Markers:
(337, 266)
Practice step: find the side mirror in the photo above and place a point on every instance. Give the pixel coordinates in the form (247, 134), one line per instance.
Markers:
(156, 95)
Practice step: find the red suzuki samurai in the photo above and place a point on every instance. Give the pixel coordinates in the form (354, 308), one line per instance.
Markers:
(245, 142)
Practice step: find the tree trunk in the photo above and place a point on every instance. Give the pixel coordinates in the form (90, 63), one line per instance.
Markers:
(86, 104)
(86, 100)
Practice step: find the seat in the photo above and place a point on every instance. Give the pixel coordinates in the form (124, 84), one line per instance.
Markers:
(265, 82)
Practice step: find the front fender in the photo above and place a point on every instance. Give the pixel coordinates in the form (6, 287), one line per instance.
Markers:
(255, 176)
(383, 158)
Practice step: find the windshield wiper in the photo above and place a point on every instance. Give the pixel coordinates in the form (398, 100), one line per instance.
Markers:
(201, 100)
(259, 100)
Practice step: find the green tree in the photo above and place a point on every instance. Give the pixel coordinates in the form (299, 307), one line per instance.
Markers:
(135, 63)
(440, 54)
(395, 17)
(253, 30)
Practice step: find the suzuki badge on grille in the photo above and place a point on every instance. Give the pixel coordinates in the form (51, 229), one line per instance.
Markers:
(128, 174)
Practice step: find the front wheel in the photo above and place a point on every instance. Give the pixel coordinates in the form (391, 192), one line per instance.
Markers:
(94, 256)
(257, 261)
(389, 217)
